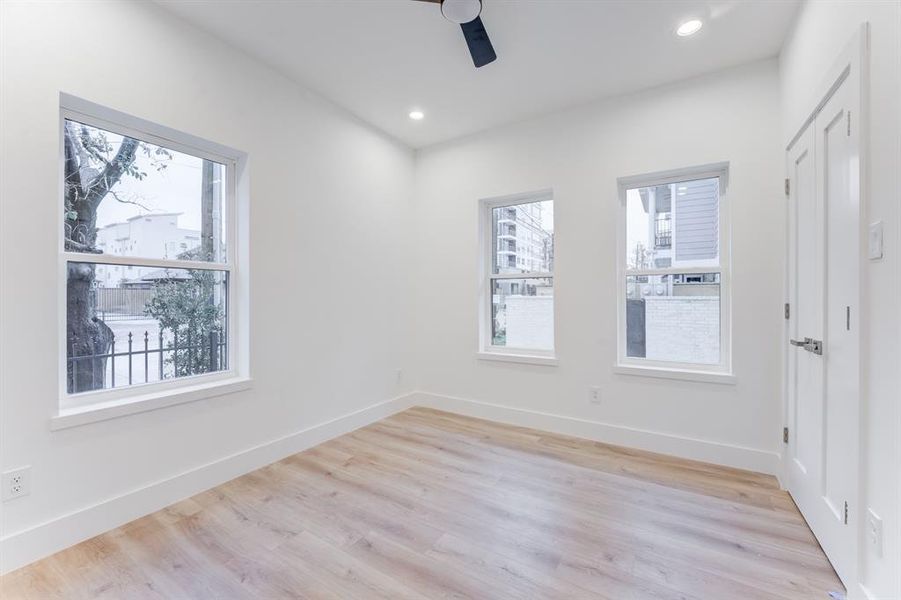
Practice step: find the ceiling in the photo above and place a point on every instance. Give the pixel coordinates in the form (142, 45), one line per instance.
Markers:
(380, 59)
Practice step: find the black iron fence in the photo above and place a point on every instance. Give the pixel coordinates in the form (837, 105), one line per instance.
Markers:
(176, 356)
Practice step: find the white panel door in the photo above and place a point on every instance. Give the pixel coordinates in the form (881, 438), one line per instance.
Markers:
(824, 253)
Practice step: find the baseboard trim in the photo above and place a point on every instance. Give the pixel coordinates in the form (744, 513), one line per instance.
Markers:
(24, 547)
(729, 455)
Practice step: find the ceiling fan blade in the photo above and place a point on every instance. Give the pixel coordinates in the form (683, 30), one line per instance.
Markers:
(479, 45)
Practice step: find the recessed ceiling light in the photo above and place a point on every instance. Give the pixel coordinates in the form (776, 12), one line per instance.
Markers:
(689, 28)
(417, 115)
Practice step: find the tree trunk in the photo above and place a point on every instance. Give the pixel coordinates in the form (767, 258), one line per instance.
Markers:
(86, 187)
(85, 334)
(209, 250)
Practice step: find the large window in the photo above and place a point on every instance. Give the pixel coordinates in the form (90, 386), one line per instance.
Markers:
(673, 272)
(518, 284)
(148, 255)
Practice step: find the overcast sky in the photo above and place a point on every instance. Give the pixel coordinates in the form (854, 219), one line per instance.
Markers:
(176, 189)
(636, 223)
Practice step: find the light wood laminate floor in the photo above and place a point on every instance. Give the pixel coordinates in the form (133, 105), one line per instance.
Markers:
(427, 504)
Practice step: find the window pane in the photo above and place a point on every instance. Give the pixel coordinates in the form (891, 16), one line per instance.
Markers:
(673, 225)
(523, 313)
(152, 324)
(674, 318)
(523, 238)
(127, 197)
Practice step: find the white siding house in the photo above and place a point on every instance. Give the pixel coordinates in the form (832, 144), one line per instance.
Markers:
(696, 221)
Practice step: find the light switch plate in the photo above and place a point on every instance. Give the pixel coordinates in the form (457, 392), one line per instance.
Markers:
(874, 531)
(875, 241)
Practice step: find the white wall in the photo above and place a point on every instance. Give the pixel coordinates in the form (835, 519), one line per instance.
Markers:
(731, 116)
(822, 30)
(322, 185)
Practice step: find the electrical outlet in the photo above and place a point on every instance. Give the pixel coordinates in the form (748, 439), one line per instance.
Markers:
(874, 531)
(16, 483)
(594, 395)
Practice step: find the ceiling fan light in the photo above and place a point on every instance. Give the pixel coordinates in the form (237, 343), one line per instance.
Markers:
(461, 11)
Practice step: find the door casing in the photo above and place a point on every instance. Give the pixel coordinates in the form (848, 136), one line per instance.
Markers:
(851, 70)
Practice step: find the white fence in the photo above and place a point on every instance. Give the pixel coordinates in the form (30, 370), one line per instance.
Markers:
(683, 329)
(530, 321)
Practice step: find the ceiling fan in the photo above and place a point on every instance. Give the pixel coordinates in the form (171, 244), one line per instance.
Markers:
(466, 14)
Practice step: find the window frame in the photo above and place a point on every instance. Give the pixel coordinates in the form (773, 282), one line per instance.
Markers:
(487, 350)
(715, 373)
(71, 407)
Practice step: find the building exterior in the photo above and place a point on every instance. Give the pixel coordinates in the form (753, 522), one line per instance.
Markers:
(683, 231)
(523, 245)
(524, 308)
(676, 316)
(148, 236)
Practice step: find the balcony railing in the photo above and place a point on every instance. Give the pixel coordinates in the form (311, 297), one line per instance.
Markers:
(663, 232)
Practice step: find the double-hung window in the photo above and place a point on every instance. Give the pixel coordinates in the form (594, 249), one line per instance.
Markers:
(674, 293)
(517, 299)
(149, 259)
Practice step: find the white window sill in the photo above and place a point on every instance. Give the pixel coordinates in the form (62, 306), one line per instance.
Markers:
(680, 374)
(529, 359)
(121, 407)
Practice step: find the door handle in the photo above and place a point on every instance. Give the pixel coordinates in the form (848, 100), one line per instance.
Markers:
(809, 344)
(815, 346)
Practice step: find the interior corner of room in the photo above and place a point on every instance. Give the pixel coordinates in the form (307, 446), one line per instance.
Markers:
(468, 298)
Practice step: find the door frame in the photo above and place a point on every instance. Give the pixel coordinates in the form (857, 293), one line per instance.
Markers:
(850, 67)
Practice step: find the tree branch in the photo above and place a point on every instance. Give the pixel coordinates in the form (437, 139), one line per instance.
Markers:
(73, 175)
(101, 185)
(84, 156)
(124, 201)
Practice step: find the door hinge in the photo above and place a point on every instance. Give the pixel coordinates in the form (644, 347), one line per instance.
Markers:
(788, 311)
(846, 512)
(849, 123)
(787, 187)
(785, 435)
